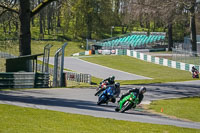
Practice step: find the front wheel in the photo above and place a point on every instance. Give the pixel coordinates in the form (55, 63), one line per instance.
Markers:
(125, 107)
(98, 92)
(100, 102)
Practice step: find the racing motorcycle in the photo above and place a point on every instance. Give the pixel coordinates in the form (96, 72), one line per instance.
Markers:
(195, 74)
(102, 87)
(107, 96)
(127, 103)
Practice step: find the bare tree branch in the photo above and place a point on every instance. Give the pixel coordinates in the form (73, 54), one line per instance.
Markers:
(40, 7)
(8, 9)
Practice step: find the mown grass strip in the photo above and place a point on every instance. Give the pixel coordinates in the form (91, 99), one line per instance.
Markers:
(27, 120)
(159, 73)
(186, 108)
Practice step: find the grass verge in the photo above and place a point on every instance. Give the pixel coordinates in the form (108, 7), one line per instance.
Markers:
(71, 48)
(25, 120)
(186, 108)
(158, 73)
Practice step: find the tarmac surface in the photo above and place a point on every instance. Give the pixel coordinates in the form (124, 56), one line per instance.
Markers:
(83, 101)
(81, 66)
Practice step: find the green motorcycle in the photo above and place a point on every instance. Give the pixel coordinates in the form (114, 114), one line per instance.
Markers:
(127, 103)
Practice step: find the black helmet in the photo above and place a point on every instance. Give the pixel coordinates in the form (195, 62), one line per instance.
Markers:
(117, 85)
(112, 78)
(142, 90)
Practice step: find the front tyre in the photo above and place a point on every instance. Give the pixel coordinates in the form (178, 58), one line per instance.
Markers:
(98, 92)
(125, 107)
(100, 101)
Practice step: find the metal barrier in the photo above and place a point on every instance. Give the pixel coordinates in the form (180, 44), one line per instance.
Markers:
(78, 77)
(58, 67)
(24, 80)
(70, 76)
(45, 63)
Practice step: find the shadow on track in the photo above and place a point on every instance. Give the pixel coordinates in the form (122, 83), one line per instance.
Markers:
(72, 103)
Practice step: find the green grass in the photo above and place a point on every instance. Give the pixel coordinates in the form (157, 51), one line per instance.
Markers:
(38, 47)
(71, 48)
(160, 74)
(26, 120)
(187, 108)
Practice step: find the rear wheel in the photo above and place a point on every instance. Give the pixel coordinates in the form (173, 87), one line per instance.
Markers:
(117, 109)
(100, 102)
(113, 100)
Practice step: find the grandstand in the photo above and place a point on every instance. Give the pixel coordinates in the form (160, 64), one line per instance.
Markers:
(132, 41)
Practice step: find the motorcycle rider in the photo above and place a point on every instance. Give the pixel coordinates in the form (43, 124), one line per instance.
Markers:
(138, 93)
(110, 80)
(194, 70)
(116, 91)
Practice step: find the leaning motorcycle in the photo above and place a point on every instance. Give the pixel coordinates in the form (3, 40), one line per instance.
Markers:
(106, 96)
(127, 103)
(195, 74)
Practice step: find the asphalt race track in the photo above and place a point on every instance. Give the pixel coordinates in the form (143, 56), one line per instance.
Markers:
(83, 101)
(78, 65)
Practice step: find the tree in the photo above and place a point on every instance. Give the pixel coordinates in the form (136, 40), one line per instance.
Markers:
(183, 6)
(25, 15)
(84, 18)
(190, 6)
(169, 11)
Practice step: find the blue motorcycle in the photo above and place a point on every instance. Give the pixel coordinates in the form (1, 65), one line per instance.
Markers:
(107, 95)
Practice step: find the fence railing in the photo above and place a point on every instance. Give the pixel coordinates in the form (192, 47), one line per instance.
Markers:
(78, 77)
(70, 76)
(189, 57)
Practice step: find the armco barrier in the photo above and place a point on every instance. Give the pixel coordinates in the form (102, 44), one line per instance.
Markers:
(24, 80)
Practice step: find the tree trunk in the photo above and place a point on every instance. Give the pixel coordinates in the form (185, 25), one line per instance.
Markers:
(170, 37)
(9, 27)
(41, 14)
(193, 29)
(41, 25)
(32, 22)
(25, 34)
(4, 27)
(58, 17)
(89, 26)
(32, 7)
(16, 26)
(49, 19)
(126, 29)
(89, 20)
